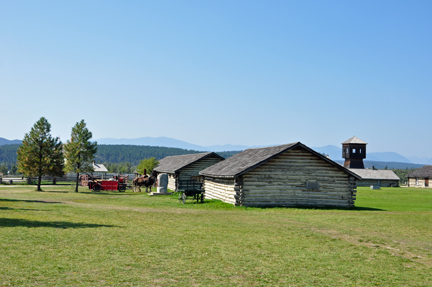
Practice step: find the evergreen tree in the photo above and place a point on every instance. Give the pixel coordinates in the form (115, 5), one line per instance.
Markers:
(13, 169)
(40, 154)
(148, 164)
(79, 151)
(3, 168)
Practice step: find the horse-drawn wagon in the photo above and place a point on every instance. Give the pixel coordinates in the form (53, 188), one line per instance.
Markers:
(118, 182)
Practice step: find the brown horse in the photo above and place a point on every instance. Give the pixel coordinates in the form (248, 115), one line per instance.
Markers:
(145, 180)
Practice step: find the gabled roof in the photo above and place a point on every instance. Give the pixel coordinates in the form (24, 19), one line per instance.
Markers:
(381, 174)
(98, 167)
(354, 140)
(171, 164)
(251, 158)
(424, 172)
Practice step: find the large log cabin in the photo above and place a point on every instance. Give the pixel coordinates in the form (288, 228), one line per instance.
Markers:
(284, 175)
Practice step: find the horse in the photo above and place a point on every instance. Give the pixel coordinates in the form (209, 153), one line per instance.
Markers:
(145, 180)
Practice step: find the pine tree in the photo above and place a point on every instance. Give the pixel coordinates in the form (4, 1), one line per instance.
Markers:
(79, 151)
(40, 154)
(147, 164)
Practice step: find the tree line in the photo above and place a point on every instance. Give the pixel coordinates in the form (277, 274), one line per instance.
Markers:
(117, 154)
(116, 158)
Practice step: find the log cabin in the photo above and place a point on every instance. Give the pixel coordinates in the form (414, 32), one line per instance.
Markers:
(186, 167)
(380, 178)
(420, 177)
(285, 175)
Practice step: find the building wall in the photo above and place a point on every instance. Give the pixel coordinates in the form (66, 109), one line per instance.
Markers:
(283, 182)
(194, 169)
(412, 182)
(382, 182)
(171, 181)
(222, 189)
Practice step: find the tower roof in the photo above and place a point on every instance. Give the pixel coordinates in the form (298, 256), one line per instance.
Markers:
(354, 140)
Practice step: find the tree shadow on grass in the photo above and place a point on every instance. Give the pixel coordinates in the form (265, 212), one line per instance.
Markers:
(12, 222)
(23, 200)
(55, 191)
(27, 209)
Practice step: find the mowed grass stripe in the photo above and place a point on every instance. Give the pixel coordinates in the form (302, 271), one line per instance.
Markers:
(58, 238)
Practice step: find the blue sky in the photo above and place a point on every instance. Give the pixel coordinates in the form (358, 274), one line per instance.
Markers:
(219, 72)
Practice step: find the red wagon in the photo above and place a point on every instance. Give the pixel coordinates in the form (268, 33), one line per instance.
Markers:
(117, 183)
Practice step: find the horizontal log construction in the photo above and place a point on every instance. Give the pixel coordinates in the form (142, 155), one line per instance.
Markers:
(282, 181)
(188, 171)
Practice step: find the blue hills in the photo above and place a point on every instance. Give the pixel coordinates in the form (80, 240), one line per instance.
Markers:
(4, 141)
(334, 152)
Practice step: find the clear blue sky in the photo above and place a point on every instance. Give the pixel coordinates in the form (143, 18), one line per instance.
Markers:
(218, 72)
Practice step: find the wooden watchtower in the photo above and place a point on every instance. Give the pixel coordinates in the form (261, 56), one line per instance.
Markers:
(354, 151)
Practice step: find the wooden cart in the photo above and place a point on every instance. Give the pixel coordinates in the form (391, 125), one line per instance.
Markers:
(190, 188)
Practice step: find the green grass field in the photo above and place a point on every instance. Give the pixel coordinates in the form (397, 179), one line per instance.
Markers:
(61, 238)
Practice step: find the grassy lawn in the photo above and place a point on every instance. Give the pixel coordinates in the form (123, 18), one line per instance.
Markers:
(61, 238)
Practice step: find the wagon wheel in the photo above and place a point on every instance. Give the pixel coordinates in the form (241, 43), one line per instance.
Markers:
(96, 187)
(183, 198)
(122, 188)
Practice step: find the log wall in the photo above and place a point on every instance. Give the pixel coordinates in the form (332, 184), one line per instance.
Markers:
(222, 189)
(194, 169)
(191, 170)
(412, 182)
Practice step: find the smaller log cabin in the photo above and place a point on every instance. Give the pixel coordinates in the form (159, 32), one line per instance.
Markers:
(285, 175)
(186, 167)
(420, 177)
(382, 177)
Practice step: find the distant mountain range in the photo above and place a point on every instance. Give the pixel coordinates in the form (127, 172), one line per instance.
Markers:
(4, 141)
(170, 142)
(334, 152)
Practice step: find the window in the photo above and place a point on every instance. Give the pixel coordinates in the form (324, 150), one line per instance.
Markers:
(312, 185)
(354, 150)
(417, 181)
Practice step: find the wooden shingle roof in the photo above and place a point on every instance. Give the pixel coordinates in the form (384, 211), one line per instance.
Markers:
(354, 140)
(423, 172)
(251, 158)
(172, 164)
(375, 174)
